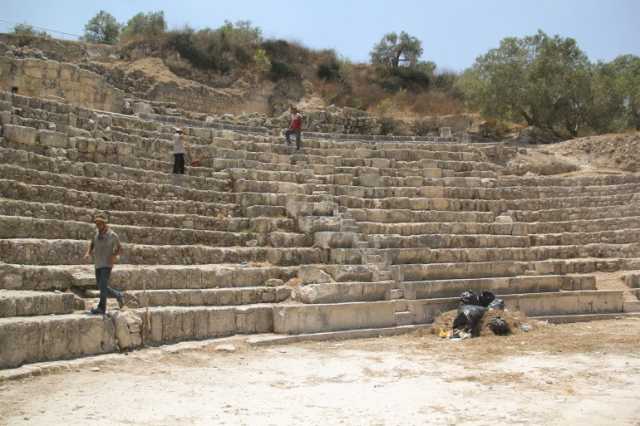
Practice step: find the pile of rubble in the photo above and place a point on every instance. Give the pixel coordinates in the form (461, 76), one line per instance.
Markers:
(480, 315)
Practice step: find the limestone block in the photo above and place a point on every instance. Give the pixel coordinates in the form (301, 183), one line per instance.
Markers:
(128, 329)
(311, 224)
(274, 282)
(504, 219)
(342, 292)
(432, 172)
(201, 324)
(222, 322)
(142, 108)
(432, 191)
(202, 133)
(10, 280)
(370, 179)
(5, 118)
(327, 239)
(156, 326)
(313, 275)
(296, 319)
(520, 228)
(20, 134)
(52, 139)
(7, 306)
(380, 163)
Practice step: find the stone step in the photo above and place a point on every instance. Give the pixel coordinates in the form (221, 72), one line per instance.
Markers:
(437, 241)
(260, 225)
(584, 225)
(274, 187)
(403, 256)
(71, 252)
(631, 306)
(398, 215)
(96, 200)
(574, 213)
(17, 303)
(470, 205)
(53, 337)
(404, 318)
(632, 279)
(568, 181)
(47, 338)
(204, 297)
(382, 187)
(519, 192)
(305, 318)
(419, 228)
(566, 319)
(497, 285)
(448, 271)
(532, 304)
(341, 292)
(383, 275)
(353, 229)
(200, 277)
(396, 293)
(265, 211)
(375, 259)
(348, 222)
(30, 160)
(25, 227)
(127, 189)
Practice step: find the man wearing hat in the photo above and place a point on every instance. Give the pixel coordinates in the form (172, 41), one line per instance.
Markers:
(180, 147)
(105, 248)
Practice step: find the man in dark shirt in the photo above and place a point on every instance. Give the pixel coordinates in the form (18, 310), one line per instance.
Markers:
(105, 248)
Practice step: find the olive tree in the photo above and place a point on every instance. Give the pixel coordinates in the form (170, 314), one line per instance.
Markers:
(102, 28)
(542, 80)
(395, 50)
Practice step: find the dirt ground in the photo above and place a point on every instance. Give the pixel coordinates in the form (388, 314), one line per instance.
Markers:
(576, 374)
(614, 153)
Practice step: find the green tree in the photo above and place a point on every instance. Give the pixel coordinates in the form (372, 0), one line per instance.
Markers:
(394, 50)
(543, 80)
(626, 72)
(147, 25)
(102, 28)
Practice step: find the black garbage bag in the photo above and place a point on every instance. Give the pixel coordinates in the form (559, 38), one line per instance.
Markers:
(497, 305)
(485, 298)
(469, 298)
(469, 318)
(499, 326)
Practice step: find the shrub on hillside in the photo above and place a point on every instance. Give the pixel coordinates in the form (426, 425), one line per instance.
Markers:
(222, 49)
(145, 26)
(388, 126)
(26, 34)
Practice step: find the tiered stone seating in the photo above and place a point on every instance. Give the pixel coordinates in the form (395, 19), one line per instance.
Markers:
(380, 233)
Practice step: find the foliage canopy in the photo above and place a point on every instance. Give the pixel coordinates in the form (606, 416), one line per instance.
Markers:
(102, 28)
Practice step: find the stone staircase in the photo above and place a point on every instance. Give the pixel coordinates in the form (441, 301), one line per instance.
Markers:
(390, 230)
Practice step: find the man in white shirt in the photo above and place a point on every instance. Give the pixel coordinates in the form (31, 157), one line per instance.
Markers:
(180, 148)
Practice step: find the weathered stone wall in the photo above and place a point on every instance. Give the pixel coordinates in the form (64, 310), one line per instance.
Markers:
(42, 79)
(59, 50)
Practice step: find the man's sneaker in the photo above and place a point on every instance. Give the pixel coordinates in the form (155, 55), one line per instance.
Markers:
(96, 311)
(120, 299)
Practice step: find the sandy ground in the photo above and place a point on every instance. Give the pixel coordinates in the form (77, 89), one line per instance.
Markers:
(577, 374)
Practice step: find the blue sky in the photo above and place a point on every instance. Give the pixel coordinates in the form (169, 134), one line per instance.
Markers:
(453, 33)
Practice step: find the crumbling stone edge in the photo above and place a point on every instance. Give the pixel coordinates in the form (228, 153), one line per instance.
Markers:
(255, 340)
